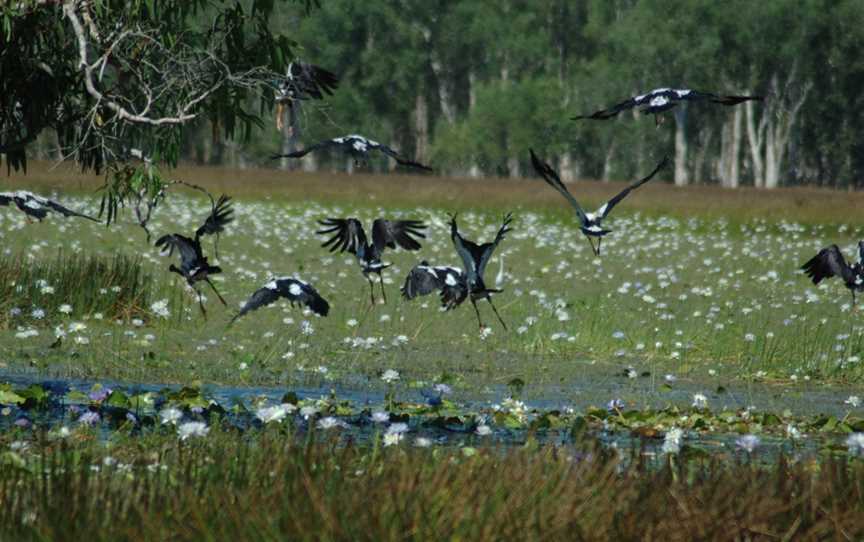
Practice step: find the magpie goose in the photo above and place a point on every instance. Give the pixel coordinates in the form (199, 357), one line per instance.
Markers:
(589, 223)
(357, 147)
(424, 279)
(36, 206)
(292, 289)
(348, 235)
(661, 100)
(303, 81)
(194, 266)
(475, 258)
(831, 263)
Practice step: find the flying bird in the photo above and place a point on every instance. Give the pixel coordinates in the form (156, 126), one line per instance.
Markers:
(36, 206)
(450, 282)
(475, 258)
(303, 81)
(590, 223)
(829, 262)
(194, 266)
(661, 100)
(294, 290)
(348, 235)
(358, 147)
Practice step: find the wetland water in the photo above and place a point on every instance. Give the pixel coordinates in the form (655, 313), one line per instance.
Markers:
(458, 427)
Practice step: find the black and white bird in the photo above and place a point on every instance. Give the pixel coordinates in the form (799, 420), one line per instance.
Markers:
(36, 206)
(450, 282)
(661, 100)
(358, 147)
(194, 266)
(348, 235)
(303, 81)
(590, 223)
(294, 290)
(475, 259)
(829, 262)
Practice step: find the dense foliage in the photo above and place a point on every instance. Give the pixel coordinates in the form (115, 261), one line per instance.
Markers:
(470, 85)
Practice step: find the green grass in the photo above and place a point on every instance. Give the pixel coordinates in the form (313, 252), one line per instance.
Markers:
(82, 286)
(705, 293)
(284, 485)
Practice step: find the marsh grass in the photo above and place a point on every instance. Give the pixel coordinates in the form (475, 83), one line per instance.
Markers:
(117, 287)
(806, 205)
(282, 486)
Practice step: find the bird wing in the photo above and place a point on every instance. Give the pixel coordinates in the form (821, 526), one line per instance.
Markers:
(489, 248)
(309, 81)
(606, 208)
(294, 290)
(421, 280)
(719, 99)
(829, 262)
(221, 215)
(65, 211)
(303, 152)
(348, 235)
(468, 251)
(551, 178)
(399, 160)
(189, 249)
(389, 234)
(610, 112)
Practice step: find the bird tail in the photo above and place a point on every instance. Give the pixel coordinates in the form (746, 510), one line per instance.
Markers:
(319, 305)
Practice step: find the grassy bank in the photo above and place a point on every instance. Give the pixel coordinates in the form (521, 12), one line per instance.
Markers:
(280, 487)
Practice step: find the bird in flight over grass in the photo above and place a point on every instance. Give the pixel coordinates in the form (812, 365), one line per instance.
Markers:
(475, 259)
(589, 223)
(36, 206)
(829, 262)
(293, 289)
(348, 235)
(358, 147)
(450, 282)
(194, 266)
(660, 100)
(303, 81)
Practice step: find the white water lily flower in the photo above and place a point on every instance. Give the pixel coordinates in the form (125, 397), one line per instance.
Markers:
(748, 443)
(192, 429)
(700, 401)
(331, 423)
(483, 430)
(672, 441)
(272, 414)
(65, 308)
(390, 376)
(170, 415)
(855, 444)
(160, 308)
(391, 439)
(854, 401)
(380, 417)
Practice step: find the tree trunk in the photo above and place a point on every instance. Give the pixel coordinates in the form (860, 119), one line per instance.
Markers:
(755, 136)
(728, 167)
(607, 162)
(421, 127)
(681, 178)
(289, 134)
(473, 169)
(569, 171)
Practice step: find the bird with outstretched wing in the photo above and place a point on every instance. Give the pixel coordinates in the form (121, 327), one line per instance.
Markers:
(294, 290)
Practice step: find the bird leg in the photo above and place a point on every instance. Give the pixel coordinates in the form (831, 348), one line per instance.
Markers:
(383, 293)
(216, 292)
(590, 242)
(489, 299)
(599, 240)
(201, 304)
(476, 310)
(371, 290)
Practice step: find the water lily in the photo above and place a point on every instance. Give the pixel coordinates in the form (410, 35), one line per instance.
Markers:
(672, 441)
(700, 401)
(192, 429)
(331, 422)
(855, 444)
(748, 443)
(390, 376)
(170, 415)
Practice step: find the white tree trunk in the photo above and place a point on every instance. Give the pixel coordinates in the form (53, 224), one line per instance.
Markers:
(728, 166)
(681, 178)
(755, 135)
(607, 162)
(421, 127)
(567, 167)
